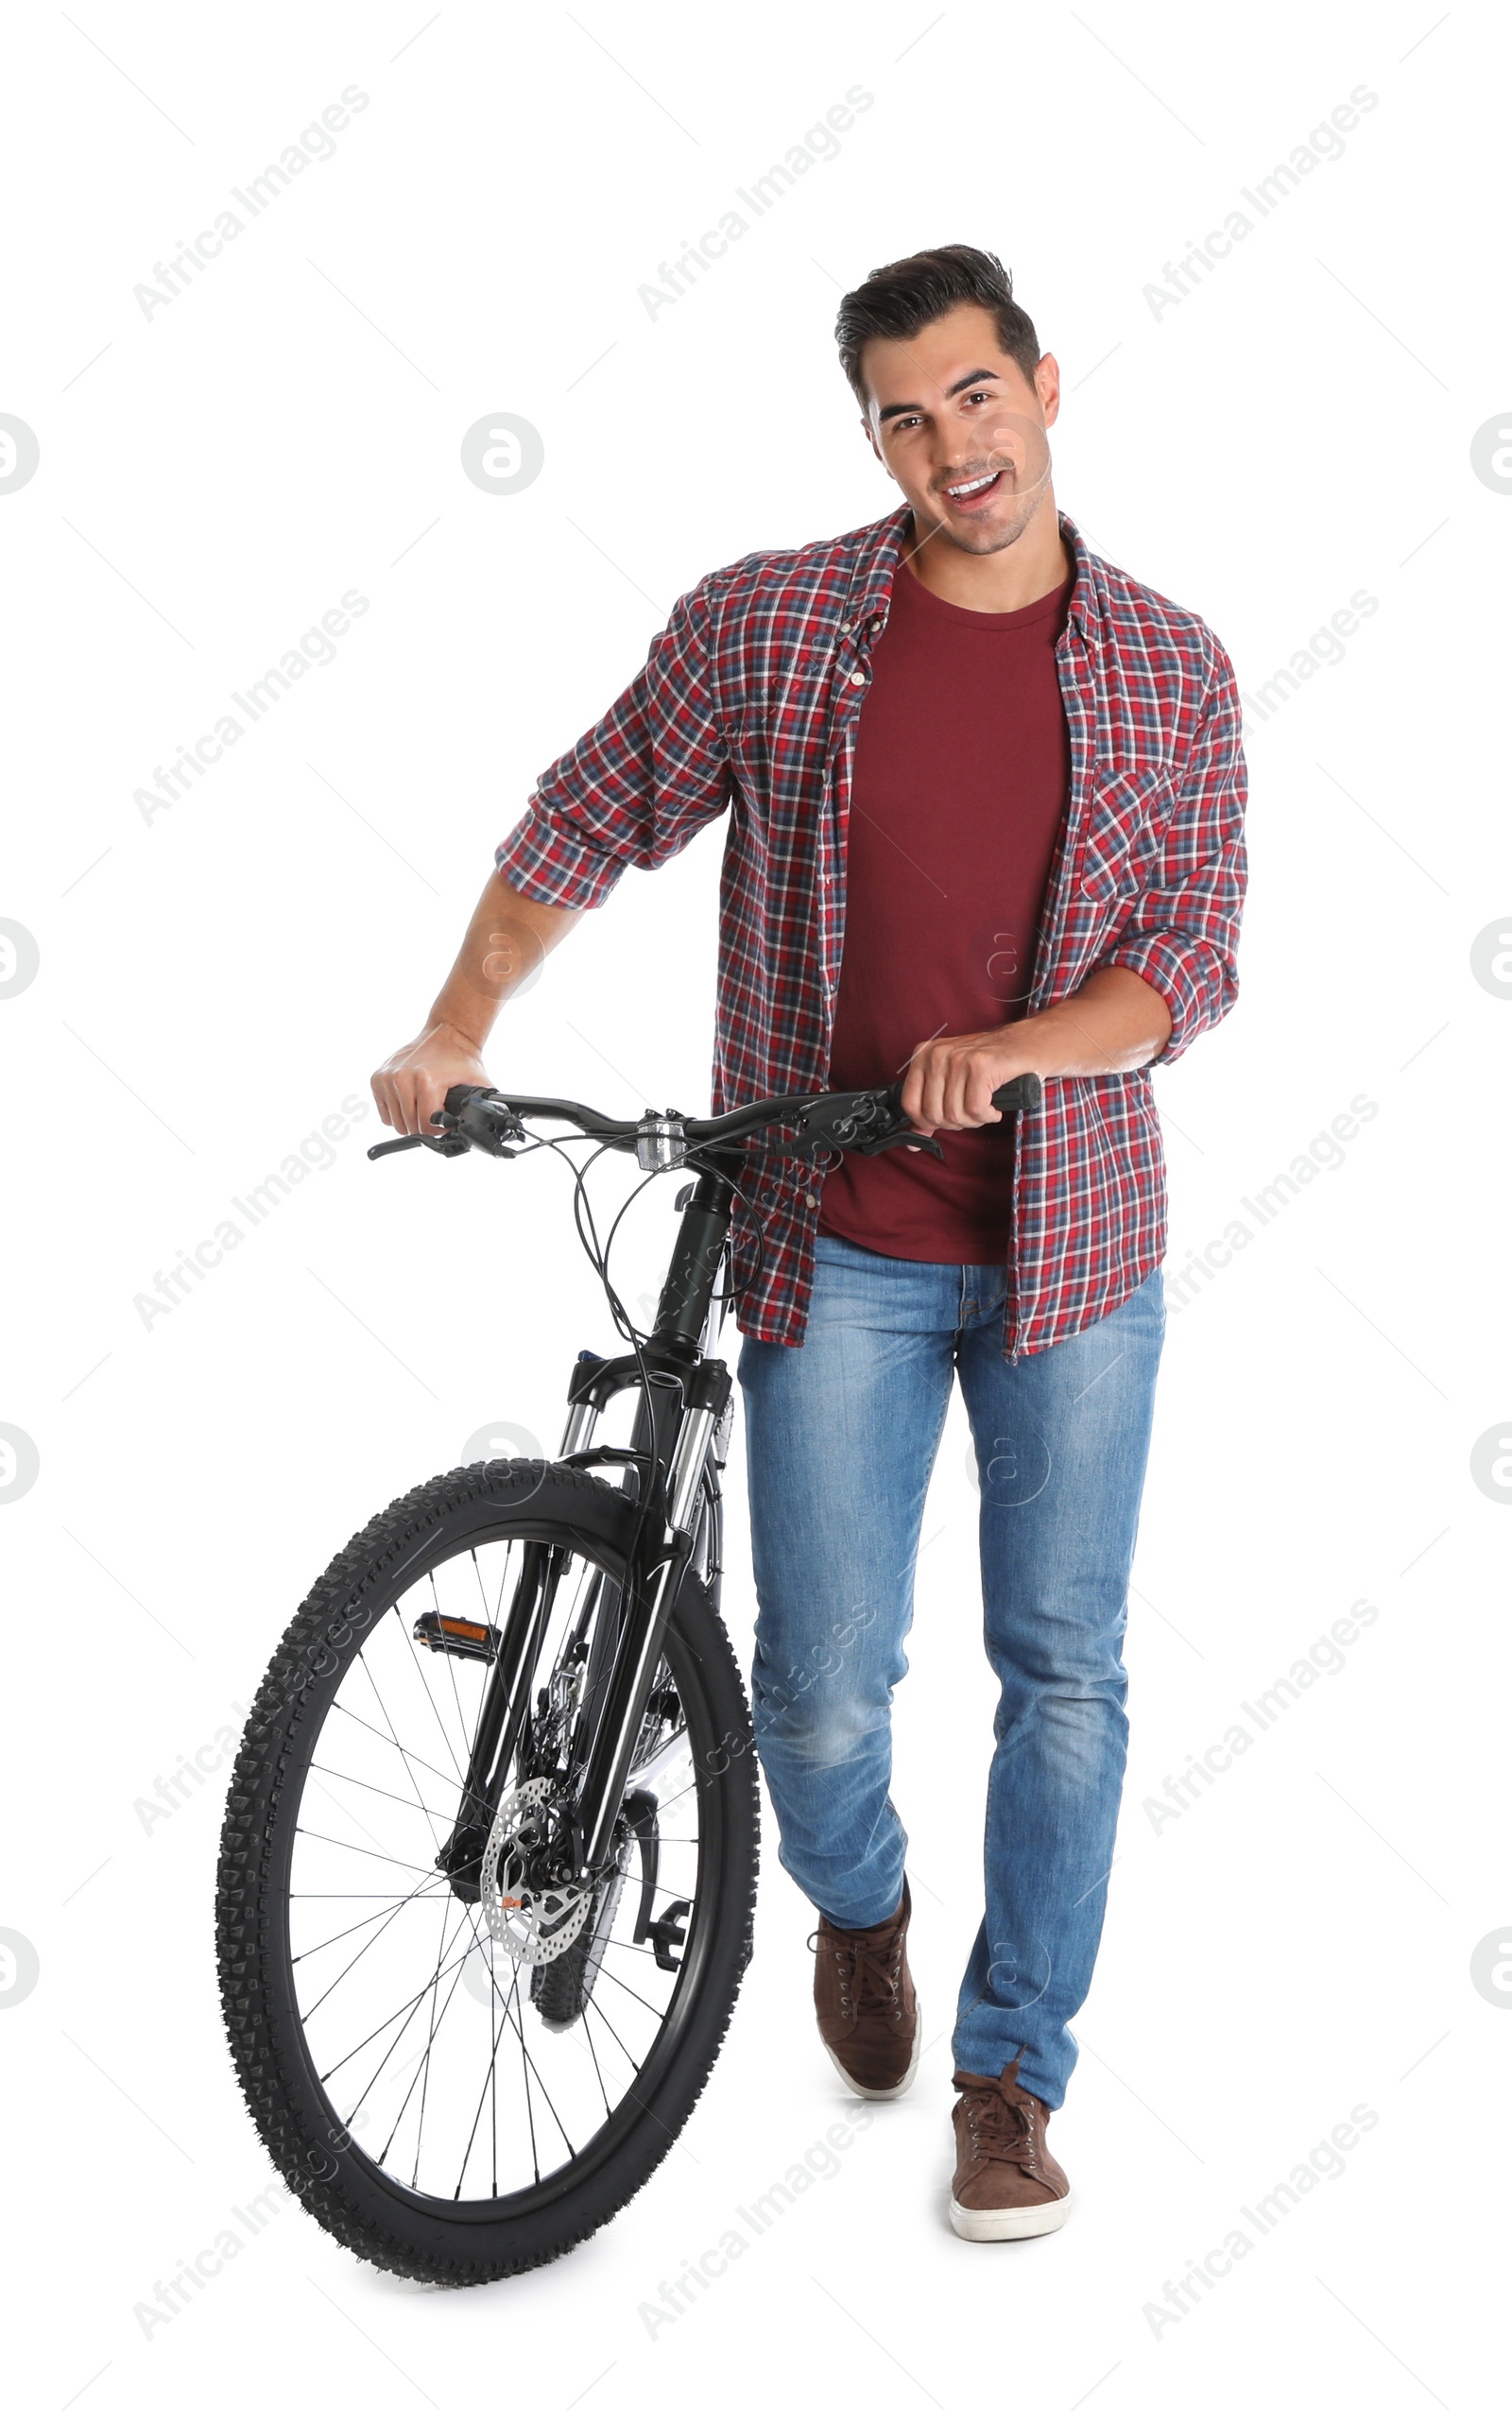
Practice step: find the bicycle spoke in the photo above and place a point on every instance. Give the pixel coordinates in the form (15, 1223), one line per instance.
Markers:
(622, 1943)
(450, 1665)
(477, 1722)
(540, 2082)
(362, 1661)
(493, 2083)
(362, 1848)
(420, 2060)
(363, 1786)
(525, 2072)
(604, 1972)
(483, 1594)
(340, 1709)
(673, 1797)
(417, 1893)
(593, 2048)
(409, 2008)
(425, 2066)
(358, 1955)
(596, 2006)
(451, 1677)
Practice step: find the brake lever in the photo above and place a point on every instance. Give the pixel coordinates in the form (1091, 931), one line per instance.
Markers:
(905, 1135)
(869, 1121)
(1022, 1093)
(872, 1120)
(447, 1144)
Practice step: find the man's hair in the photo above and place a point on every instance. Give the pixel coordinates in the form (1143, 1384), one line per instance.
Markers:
(905, 295)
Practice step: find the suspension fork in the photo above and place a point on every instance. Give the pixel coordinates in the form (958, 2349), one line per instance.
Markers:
(675, 1419)
(686, 1382)
(505, 1699)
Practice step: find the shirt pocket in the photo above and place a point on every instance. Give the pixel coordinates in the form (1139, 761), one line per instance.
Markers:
(1131, 807)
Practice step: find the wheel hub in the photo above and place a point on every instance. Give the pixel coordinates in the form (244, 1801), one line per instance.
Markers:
(536, 1922)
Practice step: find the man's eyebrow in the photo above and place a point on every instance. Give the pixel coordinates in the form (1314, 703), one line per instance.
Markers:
(972, 379)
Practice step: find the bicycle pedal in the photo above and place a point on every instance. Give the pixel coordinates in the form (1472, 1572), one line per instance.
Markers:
(459, 1637)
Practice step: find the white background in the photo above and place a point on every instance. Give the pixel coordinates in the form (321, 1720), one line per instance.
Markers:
(213, 983)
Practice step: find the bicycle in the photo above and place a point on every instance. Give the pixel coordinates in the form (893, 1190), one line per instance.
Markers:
(479, 1944)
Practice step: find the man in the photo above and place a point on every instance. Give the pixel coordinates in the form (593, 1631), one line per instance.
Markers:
(986, 797)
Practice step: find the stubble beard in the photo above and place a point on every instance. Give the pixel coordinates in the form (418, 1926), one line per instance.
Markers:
(991, 538)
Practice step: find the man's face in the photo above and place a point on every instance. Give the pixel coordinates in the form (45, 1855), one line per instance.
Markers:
(961, 429)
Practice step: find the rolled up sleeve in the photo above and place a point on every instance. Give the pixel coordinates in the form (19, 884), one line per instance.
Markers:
(634, 790)
(1182, 934)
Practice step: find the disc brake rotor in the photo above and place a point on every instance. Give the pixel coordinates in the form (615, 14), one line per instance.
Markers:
(536, 1924)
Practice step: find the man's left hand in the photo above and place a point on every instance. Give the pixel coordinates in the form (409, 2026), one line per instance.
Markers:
(952, 1080)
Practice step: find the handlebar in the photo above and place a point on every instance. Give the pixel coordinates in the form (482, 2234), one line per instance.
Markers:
(867, 1120)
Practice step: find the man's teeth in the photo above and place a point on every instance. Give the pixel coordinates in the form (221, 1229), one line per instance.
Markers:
(971, 487)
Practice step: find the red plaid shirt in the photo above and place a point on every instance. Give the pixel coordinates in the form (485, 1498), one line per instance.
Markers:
(749, 703)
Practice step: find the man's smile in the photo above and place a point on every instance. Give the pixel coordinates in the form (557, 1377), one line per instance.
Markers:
(969, 496)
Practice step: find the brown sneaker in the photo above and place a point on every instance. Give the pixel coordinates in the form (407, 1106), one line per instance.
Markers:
(867, 2011)
(1007, 2184)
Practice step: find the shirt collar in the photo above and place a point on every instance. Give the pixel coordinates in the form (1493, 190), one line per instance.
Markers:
(883, 543)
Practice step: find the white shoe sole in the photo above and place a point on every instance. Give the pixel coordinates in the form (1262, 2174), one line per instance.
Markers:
(1008, 2222)
(886, 2095)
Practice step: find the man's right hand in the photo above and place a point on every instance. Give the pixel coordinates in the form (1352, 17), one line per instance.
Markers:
(411, 1086)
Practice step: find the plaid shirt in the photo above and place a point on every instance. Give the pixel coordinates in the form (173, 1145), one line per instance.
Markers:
(749, 701)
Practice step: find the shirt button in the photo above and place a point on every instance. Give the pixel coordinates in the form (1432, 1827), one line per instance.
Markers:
(813, 1202)
(848, 627)
(858, 678)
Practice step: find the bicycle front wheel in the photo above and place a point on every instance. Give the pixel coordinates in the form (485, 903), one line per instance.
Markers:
(459, 2078)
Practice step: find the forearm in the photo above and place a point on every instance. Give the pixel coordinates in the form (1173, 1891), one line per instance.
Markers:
(1112, 1023)
(505, 942)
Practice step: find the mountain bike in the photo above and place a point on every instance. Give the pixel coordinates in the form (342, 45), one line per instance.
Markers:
(487, 1870)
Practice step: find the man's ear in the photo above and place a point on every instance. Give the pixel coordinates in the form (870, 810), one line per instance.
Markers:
(1047, 388)
(871, 441)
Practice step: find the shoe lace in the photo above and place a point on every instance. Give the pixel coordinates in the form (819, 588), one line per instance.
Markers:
(870, 1976)
(870, 1981)
(1000, 2130)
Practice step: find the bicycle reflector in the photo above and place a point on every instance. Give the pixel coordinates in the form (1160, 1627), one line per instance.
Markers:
(460, 1638)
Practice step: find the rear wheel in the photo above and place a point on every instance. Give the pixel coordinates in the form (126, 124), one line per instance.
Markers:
(460, 2070)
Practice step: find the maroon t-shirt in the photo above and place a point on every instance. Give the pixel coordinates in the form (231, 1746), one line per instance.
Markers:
(962, 769)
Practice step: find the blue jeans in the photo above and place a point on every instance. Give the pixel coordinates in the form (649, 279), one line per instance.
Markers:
(841, 1437)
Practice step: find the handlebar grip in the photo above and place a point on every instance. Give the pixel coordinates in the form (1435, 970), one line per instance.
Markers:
(1024, 1094)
